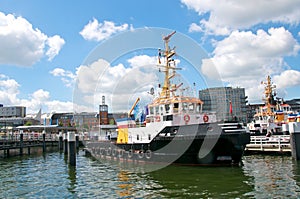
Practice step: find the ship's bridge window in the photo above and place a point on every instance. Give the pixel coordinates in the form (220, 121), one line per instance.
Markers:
(156, 110)
(286, 109)
(167, 108)
(175, 107)
(198, 108)
(161, 109)
(191, 107)
(151, 110)
(184, 106)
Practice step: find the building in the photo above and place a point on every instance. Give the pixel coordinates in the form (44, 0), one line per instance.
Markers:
(12, 116)
(295, 104)
(228, 103)
(12, 111)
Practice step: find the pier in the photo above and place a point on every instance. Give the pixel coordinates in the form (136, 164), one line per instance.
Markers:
(25, 140)
(273, 144)
(24, 144)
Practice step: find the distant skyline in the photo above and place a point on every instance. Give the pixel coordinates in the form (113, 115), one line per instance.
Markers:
(48, 48)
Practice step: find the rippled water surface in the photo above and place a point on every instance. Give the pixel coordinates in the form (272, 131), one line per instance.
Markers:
(49, 176)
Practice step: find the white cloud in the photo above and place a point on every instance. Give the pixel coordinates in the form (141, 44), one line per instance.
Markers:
(195, 28)
(87, 76)
(225, 16)
(99, 31)
(22, 45)
(119, 84)
(9, 96)
(9, 89)
(244, 59)
(288, 78)
(142, 60)
(59, 106)
(55, 43)
(67, 77)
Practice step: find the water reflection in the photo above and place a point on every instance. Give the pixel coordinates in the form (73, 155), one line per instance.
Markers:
(296, 172)
(199, 182)
(72, 178)
(273, 176)
(124, 184)
(50, 176)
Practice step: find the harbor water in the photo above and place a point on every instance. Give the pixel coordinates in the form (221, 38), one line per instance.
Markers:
(50, 176)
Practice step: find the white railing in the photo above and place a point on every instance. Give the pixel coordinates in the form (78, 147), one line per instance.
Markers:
(31, 137)
(279, 143)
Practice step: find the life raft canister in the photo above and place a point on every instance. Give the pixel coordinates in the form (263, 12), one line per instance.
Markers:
(205, 118)
(186, 118)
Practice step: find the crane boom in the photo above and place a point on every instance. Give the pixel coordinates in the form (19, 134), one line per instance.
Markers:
(134, 104)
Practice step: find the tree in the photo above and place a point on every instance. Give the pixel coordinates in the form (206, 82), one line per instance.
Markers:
(28, 123)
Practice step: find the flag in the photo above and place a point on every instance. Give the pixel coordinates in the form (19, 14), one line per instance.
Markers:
(230, 107)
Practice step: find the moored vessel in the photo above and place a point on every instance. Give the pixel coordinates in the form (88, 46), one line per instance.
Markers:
(273, 117)
(175, 129)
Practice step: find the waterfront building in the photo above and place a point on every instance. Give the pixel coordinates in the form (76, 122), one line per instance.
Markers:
(295, 104)
(12, 116)
(12, 111)
(228, 103)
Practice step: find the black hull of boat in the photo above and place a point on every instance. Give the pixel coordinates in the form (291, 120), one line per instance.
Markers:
(191, 145)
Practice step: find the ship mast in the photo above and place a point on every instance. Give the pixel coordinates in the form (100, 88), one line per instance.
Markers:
(167, 54)
(269, 88)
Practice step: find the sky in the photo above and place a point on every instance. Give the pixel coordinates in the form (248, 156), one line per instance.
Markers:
(63, 56)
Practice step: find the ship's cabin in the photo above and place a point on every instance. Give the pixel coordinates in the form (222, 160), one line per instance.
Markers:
(265, 109)
(164, 109)
(285, 108)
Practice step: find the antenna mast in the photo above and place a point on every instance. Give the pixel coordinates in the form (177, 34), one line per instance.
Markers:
(269, 88)
(168, 54)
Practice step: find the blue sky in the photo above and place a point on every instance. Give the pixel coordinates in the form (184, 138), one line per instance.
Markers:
(46, 47)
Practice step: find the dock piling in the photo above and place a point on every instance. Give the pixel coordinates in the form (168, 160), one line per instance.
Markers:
(65, 143)
(77, 141)
(21, 142)
(44, 142)
(71, 148)
(60, 141)
(294, 129)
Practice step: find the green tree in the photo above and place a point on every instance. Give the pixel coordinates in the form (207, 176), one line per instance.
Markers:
(28, 123)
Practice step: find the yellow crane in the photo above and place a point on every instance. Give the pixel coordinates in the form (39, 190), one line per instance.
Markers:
(134, 104)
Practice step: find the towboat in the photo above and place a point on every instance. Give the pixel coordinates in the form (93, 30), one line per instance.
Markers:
(175, 129)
